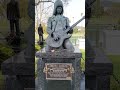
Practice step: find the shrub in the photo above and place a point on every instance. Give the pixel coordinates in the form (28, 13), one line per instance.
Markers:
(5, 52)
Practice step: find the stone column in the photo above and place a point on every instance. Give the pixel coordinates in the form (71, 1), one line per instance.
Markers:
(41, 75)
(77, 74)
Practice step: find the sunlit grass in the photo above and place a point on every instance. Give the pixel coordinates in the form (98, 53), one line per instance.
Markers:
(83, 59)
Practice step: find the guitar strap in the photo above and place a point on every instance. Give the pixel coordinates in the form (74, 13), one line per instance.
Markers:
(55, 27)
(66, 24)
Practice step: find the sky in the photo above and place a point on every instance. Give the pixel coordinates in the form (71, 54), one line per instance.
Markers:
(73, 11)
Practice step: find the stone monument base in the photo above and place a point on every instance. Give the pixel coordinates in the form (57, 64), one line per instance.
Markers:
(63, 57)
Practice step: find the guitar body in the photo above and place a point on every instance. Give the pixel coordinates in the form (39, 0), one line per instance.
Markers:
(51, 41)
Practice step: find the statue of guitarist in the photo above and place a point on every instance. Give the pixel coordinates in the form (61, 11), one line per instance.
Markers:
(56, 25)
(59, 30)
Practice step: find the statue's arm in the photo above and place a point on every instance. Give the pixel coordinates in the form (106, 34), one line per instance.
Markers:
(49, 26)
(68, 26)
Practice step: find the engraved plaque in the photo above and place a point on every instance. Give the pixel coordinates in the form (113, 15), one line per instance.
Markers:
(58, 71)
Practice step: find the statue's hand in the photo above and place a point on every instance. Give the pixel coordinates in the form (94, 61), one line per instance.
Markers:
(55, 36)
(52, 35)
(70, 30)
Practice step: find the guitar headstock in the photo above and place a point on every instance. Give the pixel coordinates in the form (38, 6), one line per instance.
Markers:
(83, 17)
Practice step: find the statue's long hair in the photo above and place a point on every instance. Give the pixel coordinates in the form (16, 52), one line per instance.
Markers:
(58, 3)
(55, 13)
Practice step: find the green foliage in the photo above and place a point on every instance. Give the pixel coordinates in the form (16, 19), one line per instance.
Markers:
(5, 52)
(36, 61)
(37, 47)
(44, 28)
(75, 30)
(83, 59)
(116, 70)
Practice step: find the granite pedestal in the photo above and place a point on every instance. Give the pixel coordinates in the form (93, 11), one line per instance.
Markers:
(58, 57)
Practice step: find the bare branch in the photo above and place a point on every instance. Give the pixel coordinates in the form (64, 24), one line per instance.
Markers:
(43, 2)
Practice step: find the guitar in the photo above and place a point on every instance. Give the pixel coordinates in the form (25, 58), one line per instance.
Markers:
(62, 35)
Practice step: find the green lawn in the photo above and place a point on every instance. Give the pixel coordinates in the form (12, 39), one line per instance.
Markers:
(83, 59)
(116, 70)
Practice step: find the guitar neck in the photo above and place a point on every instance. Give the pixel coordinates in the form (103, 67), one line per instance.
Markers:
(77, 22)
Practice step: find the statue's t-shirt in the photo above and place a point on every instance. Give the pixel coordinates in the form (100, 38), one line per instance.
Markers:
(57, 23)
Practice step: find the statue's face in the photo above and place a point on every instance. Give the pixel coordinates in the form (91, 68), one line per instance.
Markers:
(59, 10)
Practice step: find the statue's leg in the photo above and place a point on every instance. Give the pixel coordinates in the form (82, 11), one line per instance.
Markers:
(48, 48)
(68, 45)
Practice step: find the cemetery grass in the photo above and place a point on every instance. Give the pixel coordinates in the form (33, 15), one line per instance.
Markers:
(83, 59)
(116, 71)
